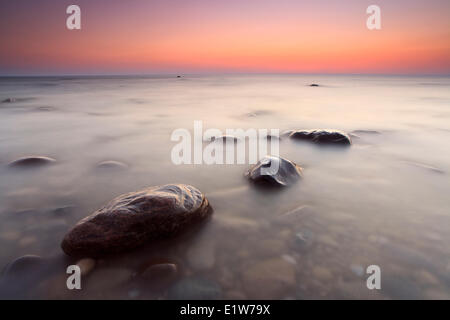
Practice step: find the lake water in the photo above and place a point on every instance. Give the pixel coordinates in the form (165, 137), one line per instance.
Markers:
(384, 201)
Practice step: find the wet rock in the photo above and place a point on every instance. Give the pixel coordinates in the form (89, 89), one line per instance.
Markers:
(270, 279)
(86, 265)
(195, 289)
(112, 165)
(134, 219)
(322, 137)
(31, 161)
(274, 171)
(313, 85)
(24, 265)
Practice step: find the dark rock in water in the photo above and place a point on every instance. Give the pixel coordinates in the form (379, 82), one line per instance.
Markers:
(224, 138)
(111, 164)
(195, 289)
(313, 85)
(9, 100)
(322, 136)
(32, 161)
(23, 265)
(178, 76)
(282, 173)
(134, 219)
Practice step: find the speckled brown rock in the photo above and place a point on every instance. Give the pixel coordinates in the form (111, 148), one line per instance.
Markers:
(134, 219)
(322, 136)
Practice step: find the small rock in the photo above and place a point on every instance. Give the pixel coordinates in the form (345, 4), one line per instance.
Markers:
(86, 265)
(274, 171)
(195, 289)
(223, 138)
(23, 265)
(9, 100)
(270, 279)
(32, 161)
(313, 85)
(134, 219)
(112, 165)
(322, 137)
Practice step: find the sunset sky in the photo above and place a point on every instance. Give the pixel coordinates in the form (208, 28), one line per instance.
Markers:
(196, 36)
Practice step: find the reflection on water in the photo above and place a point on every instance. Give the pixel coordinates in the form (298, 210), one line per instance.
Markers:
(384, 201)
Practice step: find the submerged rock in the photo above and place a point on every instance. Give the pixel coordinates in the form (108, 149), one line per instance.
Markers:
(322, 136)
(9, 100)
(274, 171)
(111, 165)
(31, 161)
(134, 219)
(23, 265)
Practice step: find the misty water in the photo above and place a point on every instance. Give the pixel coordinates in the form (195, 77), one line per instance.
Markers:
(383, 201)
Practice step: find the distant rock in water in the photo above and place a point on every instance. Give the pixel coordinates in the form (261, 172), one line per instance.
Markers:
(22, 265)
(314, 85)
(9, 100)
(134, 219)
(274, 171)
(111, 165)
(32, 161)
(224, 138)
(322, 136)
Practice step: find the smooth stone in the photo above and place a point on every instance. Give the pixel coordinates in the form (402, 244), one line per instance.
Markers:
(287, 174)
(23, 265)
(313, 85)
(111, 164)
(195, 288)
(32, 161)
(86, 265)
(136, 218)
(322, 136)
(270, 279)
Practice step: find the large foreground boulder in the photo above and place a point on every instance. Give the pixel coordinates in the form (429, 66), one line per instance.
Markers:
(322, 136)
(134, 219)
(274, 171)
